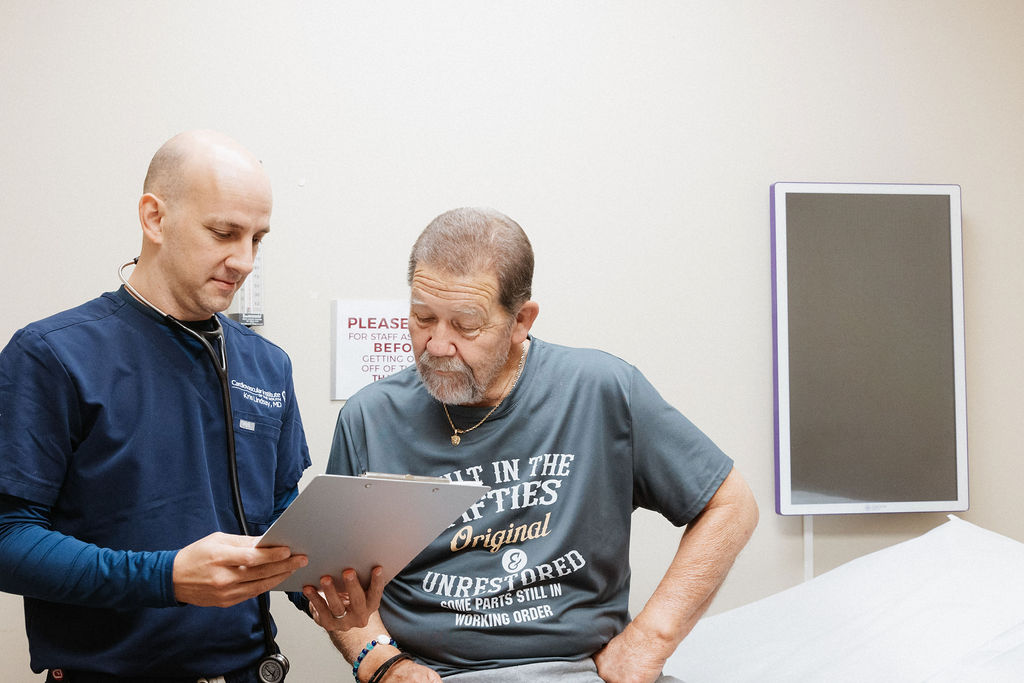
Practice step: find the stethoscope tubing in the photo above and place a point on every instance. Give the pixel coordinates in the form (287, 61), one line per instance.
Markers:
(220, 366)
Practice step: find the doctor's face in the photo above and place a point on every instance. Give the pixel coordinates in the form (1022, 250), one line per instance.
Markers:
(211, 233)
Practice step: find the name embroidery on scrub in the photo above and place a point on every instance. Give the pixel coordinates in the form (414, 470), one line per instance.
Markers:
(262, 397)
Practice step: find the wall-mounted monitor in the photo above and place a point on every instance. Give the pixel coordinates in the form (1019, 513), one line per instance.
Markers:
(870, 395)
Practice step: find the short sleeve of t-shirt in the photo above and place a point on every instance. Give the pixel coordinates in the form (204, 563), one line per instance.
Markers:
(345, 456)
(676, 467)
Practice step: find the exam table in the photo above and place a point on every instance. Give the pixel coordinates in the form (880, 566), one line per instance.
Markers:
(945, 607)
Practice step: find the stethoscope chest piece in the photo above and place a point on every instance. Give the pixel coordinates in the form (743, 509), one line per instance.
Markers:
(273, 668)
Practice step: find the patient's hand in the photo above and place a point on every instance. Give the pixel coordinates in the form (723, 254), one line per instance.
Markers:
(627, 658)
(340, 610)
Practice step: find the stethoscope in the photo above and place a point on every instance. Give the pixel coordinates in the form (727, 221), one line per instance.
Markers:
(274, 665)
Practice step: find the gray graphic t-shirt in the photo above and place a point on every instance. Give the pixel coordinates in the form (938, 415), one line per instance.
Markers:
(538, 569)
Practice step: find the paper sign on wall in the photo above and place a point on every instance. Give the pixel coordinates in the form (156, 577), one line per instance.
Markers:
(370, 341)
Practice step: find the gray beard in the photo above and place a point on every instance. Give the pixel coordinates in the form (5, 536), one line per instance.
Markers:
(462, 389)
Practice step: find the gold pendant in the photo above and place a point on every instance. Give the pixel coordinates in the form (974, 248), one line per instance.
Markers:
(456, 439)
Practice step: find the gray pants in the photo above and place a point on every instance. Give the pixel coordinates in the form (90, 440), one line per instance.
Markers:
(583, 671)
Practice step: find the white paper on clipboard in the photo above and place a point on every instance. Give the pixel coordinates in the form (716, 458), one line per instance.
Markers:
(340, 521)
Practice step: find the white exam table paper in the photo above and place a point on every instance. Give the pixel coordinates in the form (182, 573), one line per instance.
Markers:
(945, 606)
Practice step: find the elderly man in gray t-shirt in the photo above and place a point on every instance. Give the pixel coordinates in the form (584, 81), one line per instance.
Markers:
(532, 581)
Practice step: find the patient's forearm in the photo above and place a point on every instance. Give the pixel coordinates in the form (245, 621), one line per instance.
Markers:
(705, 554)
(350, 644)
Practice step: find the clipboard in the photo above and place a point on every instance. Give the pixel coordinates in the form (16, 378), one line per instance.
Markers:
(385, 520)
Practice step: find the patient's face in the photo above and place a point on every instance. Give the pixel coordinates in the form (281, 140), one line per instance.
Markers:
(461, 336)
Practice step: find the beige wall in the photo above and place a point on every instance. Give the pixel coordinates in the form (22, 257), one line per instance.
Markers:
(635, 142)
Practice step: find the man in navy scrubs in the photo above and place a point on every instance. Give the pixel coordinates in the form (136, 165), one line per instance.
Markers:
(117, 515)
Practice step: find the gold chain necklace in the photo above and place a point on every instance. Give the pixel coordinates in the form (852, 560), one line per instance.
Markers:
(456, 438)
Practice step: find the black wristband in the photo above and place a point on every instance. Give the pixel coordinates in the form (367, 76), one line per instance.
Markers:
(378, 675)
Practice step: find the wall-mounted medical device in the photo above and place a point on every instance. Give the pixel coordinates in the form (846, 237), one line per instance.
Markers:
(870, 393)
(247, 307)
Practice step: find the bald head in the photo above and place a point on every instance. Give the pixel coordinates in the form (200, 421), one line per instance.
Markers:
(185, 158)
(204, 210)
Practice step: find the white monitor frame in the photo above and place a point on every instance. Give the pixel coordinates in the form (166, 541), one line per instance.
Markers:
(805, 503)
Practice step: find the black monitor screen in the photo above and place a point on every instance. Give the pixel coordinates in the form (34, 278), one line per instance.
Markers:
(869, 348)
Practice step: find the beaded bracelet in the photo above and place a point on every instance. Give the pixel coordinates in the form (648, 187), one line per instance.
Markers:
(382, 639)
(378, 675)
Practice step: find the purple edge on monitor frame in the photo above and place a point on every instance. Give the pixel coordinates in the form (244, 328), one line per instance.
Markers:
(775, 351)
